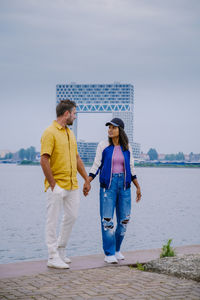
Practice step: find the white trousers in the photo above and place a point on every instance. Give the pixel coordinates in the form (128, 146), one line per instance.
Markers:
(57, 200)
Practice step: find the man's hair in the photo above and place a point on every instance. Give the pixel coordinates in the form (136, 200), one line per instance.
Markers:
(63, 106)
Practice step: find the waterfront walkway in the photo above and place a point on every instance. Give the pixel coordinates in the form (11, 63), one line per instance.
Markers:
(90, 278)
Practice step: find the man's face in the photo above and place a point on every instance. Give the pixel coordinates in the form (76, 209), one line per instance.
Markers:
(71, 116)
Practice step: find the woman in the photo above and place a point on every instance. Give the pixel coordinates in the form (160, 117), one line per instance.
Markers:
(115, 162)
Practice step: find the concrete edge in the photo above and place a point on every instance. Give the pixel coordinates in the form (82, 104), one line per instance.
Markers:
(27, 268)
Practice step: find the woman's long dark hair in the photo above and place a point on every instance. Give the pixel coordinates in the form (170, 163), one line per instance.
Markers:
(123, 139)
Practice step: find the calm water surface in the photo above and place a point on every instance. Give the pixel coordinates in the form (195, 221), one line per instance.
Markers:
(170, 208)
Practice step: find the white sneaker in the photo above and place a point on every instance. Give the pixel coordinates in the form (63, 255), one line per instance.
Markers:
(57, 263)
(119, 255)
(111, 259)
(61, 252)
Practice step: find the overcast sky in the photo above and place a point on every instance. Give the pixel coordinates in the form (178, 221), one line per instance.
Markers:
(152, 44)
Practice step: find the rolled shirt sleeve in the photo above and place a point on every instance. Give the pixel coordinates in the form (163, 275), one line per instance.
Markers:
(47, 143)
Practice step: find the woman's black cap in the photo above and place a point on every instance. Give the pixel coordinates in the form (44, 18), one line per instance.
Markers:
(116, 122)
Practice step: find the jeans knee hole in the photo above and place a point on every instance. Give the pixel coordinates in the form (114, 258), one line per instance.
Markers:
(107, 219)
(125, 222)
(107, 223)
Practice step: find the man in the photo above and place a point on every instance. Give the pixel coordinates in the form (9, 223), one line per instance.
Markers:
(60, 161)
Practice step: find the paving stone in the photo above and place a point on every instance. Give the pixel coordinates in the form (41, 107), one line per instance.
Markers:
(101, 283)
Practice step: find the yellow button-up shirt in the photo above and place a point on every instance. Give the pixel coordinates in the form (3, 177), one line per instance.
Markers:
(60, 144)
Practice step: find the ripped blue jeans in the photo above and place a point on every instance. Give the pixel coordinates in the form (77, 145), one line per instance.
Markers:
(114, 199)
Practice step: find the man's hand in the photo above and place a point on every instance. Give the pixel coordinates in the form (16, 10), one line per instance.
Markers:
(47, 170)
(86, 187)
(53, 186)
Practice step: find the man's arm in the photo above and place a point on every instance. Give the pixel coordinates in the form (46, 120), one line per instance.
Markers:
(82, 172)
(44, 162)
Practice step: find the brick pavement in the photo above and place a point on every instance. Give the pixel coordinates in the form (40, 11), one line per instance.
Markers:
(112, 282)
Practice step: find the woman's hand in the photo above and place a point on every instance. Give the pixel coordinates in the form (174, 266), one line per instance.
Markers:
(138, 194)
(138, 190)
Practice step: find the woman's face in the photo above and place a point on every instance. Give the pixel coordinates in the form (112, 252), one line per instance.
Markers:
(113, 131)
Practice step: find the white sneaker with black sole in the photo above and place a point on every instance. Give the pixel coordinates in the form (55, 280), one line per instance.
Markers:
(57, 263)
(111, 259)
(119, 255)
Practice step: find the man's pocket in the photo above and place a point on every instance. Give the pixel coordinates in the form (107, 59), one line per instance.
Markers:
(57, 190)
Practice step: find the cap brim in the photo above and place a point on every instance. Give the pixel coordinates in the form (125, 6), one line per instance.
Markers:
(111, 123)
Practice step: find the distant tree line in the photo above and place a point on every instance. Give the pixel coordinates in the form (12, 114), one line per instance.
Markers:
(179, 156)
(8, 156)
(153, 155)
(29, 153)
(23, 154)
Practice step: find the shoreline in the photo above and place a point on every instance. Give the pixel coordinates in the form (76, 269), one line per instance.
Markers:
(137, 165)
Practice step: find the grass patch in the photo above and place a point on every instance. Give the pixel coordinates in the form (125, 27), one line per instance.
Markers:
(137, 266)
(140, 267)
(167, 250)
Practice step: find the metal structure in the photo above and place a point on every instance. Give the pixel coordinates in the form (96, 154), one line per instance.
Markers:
(115, 98)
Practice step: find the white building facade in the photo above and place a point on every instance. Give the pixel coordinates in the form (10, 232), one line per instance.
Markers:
(115, 98)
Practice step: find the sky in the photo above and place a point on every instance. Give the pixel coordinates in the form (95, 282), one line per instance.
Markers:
(151, 44)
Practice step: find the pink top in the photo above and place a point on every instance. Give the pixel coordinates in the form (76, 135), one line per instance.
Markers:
(117, 160)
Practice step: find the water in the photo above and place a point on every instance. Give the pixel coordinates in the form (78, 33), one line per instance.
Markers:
(170, 208)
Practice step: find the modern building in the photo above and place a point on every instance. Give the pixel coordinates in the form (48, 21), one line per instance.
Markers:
(87, 151)
(115, 98)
